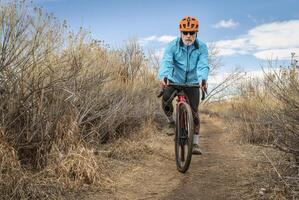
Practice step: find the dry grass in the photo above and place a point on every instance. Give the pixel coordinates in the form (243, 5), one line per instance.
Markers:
(266, 113)
(66, 171)
(216, 109)
(76, 168)
(135, 146)
(62, 95)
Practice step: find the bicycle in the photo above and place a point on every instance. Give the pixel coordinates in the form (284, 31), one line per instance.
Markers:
(184, 127)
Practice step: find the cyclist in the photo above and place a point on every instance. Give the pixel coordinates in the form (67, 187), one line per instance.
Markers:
(185, 61)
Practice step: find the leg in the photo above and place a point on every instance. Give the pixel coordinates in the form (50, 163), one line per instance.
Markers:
(193, 98)
(168, 96)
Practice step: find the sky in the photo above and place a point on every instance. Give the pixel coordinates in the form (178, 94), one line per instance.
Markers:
(247, 33)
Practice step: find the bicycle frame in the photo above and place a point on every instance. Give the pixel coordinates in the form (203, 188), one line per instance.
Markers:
(181, 98)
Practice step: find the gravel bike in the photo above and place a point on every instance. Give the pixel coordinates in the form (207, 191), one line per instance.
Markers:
(184, 126)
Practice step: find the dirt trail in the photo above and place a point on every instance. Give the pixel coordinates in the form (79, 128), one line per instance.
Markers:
(218, 173)
(222, 172)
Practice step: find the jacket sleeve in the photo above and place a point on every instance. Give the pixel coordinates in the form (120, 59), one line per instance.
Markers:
(203, 64)
(167, 65)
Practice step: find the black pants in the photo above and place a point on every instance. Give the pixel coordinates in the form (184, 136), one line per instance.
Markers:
(193, 99)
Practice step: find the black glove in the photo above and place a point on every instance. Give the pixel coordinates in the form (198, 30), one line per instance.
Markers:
(203, 84)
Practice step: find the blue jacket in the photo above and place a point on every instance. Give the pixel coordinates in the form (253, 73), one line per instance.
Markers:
(185, 64)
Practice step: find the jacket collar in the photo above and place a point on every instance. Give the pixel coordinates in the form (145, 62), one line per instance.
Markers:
(196, 45)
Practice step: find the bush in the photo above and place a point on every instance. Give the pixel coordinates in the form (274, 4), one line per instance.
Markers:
(267, 113)
(61, 96)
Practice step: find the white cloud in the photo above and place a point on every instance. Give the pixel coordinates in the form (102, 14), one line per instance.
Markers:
(266, 41)
(275, 35)
(226, 24)
(154, 38)
(280, 54)
(217, 79)
(232, 44)
(227, 52)
(233, 47)
(166, 38)
(150, 38)
(253, 74)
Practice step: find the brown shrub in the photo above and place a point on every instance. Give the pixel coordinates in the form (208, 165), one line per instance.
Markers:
(266, 113)
(60, 95)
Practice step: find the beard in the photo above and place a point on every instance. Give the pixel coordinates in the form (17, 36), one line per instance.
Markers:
(188, 42)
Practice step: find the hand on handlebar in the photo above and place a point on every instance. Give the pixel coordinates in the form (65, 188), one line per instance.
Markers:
(203, 85)
(204, 88)
(164, 82)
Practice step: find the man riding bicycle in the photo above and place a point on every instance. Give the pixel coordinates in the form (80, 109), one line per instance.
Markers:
(185, 61)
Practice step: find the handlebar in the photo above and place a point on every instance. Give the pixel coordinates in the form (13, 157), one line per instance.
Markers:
(203, 90)
(183, 85)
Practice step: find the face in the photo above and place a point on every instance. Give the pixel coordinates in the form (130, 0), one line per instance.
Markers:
(188, 37)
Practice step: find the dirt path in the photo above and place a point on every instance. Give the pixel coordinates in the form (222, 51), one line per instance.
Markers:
(218, 174)
(222, 172)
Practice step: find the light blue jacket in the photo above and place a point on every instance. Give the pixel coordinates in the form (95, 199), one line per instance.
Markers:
(185, 64)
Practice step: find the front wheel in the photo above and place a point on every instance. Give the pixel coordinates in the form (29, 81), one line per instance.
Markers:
(183, 137)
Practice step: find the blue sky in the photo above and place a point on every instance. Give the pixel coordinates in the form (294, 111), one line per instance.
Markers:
(246, 32)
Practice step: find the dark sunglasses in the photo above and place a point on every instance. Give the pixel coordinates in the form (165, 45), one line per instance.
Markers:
(187, 32)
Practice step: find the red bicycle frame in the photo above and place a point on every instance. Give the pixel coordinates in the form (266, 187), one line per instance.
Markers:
(180, 99)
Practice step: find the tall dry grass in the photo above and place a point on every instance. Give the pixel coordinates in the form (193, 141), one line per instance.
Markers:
(266, 112)
(62, 94)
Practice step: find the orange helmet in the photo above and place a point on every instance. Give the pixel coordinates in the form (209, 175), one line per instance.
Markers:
(189, 24)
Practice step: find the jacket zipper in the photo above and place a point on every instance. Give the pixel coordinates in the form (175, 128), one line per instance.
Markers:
(187, 65)
(188, 55)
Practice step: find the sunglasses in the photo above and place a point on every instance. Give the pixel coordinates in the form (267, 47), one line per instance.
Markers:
(187, 32)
